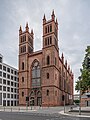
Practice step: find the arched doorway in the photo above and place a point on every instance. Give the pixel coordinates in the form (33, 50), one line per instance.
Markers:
(39, 98)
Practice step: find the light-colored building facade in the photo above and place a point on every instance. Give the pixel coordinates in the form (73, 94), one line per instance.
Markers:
(85, 99)
(8, 84)
(44, 78)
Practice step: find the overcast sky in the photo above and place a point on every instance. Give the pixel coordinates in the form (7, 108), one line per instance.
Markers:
(74, 27)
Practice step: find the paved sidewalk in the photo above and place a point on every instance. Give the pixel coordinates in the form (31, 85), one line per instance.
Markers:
(85, 112)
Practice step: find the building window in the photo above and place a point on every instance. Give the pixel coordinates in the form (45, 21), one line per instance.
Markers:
(4, 95)
(8, 95)
(15, 78)
(0, 87)
(11, 95)
(47, 92)
(4, 102)
(22, 65)
(48, 60)
(22, 94)
(11, 83)
(47, 75)
(23, 38)
(22, 79)
(11, 77)
(8, 89)
(11, 103)
(0, 66)
(8, 103)
(4, 81)
(30, 49)
(11, 71)
(45, 41)
(15, 84)
(8, 76)
(8, 82)
(23, 49)
(15, 72)
(0, 73)
(15, 96)
(11, 89)
(8, 69)
(0, 80)
(46, 29)
(50, 39)
(50, 28)
(15, 90)
(4, 68)
(36, 78)
(4, 75)
(4, 88)
(0, 59)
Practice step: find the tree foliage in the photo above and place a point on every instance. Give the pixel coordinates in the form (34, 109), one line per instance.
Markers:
(84, 82)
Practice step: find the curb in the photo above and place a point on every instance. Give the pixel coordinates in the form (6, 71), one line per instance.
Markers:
(62, 113)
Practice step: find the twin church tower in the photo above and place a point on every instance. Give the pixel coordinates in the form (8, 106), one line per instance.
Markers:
(44, 79)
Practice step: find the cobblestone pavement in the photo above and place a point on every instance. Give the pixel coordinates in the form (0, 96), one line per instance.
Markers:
(37, 116)
(39, 113)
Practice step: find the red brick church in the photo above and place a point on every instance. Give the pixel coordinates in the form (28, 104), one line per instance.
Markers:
(44, 78)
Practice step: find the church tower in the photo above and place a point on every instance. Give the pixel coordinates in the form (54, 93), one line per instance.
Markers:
(25, 49)
(50, 62)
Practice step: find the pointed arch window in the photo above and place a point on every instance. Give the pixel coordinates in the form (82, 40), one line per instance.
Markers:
(50, 28)
(48, 60)
(47, 92)
(22, 94)
(36, 78)
(46, 29)
(22, 65)
(47, 75)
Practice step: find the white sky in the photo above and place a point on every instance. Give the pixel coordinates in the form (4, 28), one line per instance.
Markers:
(74, 27)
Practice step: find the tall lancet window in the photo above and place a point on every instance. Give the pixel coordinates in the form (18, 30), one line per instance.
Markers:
(36, 78)
(48, 60)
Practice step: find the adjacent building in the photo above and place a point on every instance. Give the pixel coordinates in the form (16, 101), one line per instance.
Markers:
(44, 78)
(85, 99)
(8, 84)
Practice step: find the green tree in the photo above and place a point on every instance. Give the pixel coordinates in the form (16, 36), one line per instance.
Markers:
(84, 82)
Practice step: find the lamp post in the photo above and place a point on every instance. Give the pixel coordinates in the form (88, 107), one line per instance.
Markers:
(64, 103)
(79, 95)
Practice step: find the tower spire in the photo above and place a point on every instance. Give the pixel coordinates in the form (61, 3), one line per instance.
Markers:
(27, 28)
(66, 63)
(44, 19)
(53, 15)
(20, 30)
(32, 33)
(62, 57)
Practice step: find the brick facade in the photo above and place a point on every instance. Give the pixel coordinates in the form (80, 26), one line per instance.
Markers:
(43, 76)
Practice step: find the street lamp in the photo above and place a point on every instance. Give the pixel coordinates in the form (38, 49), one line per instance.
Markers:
(79, 95)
